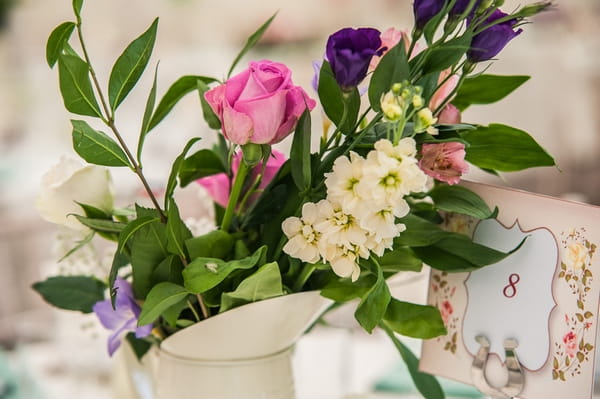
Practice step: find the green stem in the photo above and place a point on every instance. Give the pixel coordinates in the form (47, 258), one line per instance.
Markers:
(338, 128)
(305, 274)
(235, 195)
(191, 306)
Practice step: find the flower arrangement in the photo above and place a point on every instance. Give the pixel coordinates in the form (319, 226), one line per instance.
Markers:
(342, 218)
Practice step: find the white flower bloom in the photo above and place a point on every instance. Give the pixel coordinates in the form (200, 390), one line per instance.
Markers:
(342, 181)
(345, 261)
(303, 238)
(381, 222)
(406, 148)
(378, 245)
(424, 120)
(337, 227)
(392, 106)
(68, 183)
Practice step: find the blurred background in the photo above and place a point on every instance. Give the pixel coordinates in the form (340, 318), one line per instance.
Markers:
(559, 106)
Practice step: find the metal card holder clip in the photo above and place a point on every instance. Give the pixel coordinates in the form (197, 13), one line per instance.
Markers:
(516, 378)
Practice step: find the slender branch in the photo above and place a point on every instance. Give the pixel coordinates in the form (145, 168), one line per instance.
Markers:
(203, 308)
(109, 121)
(235, 194)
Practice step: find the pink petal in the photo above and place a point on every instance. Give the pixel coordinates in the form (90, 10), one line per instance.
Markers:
(218, 187)
(235, 86)
(267, 114)
(297, 101)
(237, 127)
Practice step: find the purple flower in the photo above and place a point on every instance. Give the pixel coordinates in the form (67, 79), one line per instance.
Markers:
(424, 10)
(317, 64)
(349, 52)
(461, 5)
(488, 43)
(123, 318)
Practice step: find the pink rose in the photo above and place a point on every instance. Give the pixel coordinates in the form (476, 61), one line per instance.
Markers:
(440, 95)
(450, 115)
(219, 186)
(570, 341)
(444, 162)
(260, 105)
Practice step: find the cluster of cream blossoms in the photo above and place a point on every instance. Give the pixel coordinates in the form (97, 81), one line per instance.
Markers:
(365, 196)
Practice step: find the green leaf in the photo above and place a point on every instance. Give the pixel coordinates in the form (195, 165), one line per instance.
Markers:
(215, 244)
(169, 270)
(56, 41)
(373, 305)
(148, 250)
(161, 297)
(413, 320)
(130, 65)
(427, 385)
(332, 100)
(119, 260)
(96, 147)
(263, 284)
(101, 225)
(94, 213)
(504, 148)
(176, 92)
(176, 169)
(447, 54)
(80, 244)
(177, 231)
(300, 153)
(172, 314)
(419, 232)
(207, 112)
(432, 25)
(461, 200)
(486, 89)
(132, 228)
(202, 274)
(71, 292)
(342, 290)
(200, 164)
(76, 87)
(393, 68)
(147, 115)
(250, 43)
(77, 4)
(458, 253)
(400, 259)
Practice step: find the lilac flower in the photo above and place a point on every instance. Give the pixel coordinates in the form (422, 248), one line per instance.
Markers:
(349, 52)
(317, 64)
(488, 43)
(123, 318)
(424, 10)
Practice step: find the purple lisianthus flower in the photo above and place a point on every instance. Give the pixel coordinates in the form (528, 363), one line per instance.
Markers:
(489, 42)
(461, 5)
(424, 10)
(317, 64)
(123, 318)
(349, 52)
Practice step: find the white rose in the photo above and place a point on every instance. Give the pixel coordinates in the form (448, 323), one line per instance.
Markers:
(68, 183)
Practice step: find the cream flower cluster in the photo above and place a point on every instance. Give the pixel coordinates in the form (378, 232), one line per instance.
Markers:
(364, 198)
(404, 97)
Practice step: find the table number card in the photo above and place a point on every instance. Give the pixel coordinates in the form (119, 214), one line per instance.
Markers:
(544, 296)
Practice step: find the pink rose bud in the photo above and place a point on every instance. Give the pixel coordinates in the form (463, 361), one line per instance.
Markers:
(219, 187)
(444, 91)
(450, 115)
(444, 162)
(259, 105)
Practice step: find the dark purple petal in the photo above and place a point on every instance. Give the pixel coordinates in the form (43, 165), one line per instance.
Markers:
(488, 43)
(349, 52)
(461, 5)
(424, 10)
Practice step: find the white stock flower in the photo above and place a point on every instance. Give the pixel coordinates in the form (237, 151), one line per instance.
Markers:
(303, 238)
(337, 227)
(342, 181)
(345, 261)
(68, 183)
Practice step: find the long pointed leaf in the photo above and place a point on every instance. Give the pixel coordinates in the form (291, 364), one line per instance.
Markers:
(56, 41)
(251, 42)
(147, 115)
(130, 65)
(76, 87)
(160, 298)
(96, 147)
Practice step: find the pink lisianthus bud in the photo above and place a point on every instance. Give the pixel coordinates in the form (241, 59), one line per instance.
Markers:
(444, 162)
(389, 39)
(450, 115)
(219, 186)
(259, 105)
(444, 91)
